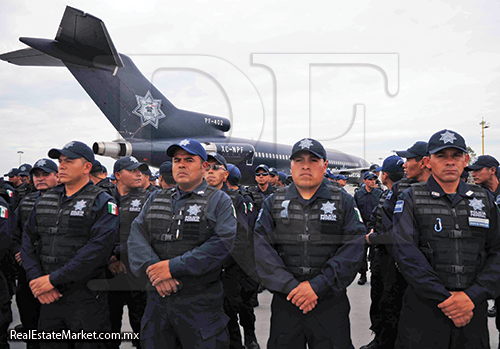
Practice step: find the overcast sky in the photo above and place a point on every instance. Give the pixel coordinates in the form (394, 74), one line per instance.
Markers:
(447, 75)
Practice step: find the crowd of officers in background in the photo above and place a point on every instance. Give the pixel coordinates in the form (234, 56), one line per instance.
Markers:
(189, 255)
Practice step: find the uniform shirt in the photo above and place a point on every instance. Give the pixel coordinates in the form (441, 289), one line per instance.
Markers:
(340, 269)
(415, 267)
(151, 188)
(366, 201)
(87, 259)
(200, 260)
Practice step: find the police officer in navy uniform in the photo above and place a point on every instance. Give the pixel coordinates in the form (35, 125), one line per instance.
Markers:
(282, 177)
(67, 241)
(45, 177)
(447, 245)
(180, 240)
(366, 199)
(263, 188)
(166, 179)
(309, 241)
(377, 237)
(239, 265)
(26, 186)
(15, 182)
(485, 174)
(98, 176)
(5, 292)
(273, 176)
(124, 287)
(146, 180)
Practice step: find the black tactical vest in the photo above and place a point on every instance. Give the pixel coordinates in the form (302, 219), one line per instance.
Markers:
(63, 231)
(129, 209)
(379, 227)
(404, 184)
(175, 234)
(107, 186)
(256, 197)
(306, 241)
(452, 239)
(27, 206)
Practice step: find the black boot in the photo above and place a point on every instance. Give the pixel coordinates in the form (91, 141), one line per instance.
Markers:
(492, 312)
(251, 341)
(362, 279)
(372, 345)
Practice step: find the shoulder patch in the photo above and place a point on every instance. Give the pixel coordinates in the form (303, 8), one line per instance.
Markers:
(260, 214)
(4, 212)
(399, 206)
(389, 195)
(234, 211)
(112, 208)
(358, 215)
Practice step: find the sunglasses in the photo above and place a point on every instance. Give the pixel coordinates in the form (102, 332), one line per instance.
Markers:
(215, 167)
(261, 174)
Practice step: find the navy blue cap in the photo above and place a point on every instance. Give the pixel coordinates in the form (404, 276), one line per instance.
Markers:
(166, 168)
(192, 146)
(392, 163)
(282, 177)
(262, 166)
(112, 177)
(129, 163)
(446, 139)
(152, 177)
(419, 149)
(374, 167)
(24, 169)
(73, 150)
(218, 158)
(234, 172)
(341, 177)
(12, 173)
(369, 175)
(146, 171)
(104, 169)
(96, 167)
(310, 145)
(273, 171)
(46, 165)
(483, 161)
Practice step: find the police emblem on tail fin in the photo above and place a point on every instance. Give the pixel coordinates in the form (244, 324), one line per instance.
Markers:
(149, 110)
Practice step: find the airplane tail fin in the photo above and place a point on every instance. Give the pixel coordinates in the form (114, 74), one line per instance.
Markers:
(135, 107)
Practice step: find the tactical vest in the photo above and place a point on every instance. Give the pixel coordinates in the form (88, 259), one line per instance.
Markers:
(27, 206)
(173, 234)
(306, 241)
(129, 209)
(256, 197)
(379, 227)
(107, 186)
(404, 184)
(63, 231)
(453, 247)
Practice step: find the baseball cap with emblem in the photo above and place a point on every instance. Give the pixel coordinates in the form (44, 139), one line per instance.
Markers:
(419, 149)
(392, 163)
(446, 139)
(12, 173)
(369, 175)
(483, 161)
(218, 158)
(129, 163)
(263, 167)
(312, 146)
(192, 146)
(46, 165)
(374, 167)
(341, 177)
(273, 171)
(73, 150)
(24, 169)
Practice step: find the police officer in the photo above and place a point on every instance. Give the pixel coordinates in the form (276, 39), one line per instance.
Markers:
(239, 265)
(366, 199)
(485, 174)
(166, 178)
(447, 245)
(281, 179)
(24, 174)
(45, 177)
(342, 180)
(273, 176)
(18, 185)
(98, 175)
(263, 189)
(391, 172)
(180, 241)
(5, 294)
(125, 287)
(67, 241)
(308, 245)
(146, 183)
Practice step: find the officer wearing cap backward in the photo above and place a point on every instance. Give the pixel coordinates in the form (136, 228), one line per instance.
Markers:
(180, 241)
(308, 245)
(67, 241)
(125, 288)
(45, 177)
(447, 245)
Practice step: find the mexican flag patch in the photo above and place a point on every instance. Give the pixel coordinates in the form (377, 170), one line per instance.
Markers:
(4, 213)
(10, 193)
(358, 214)
(112, 208)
